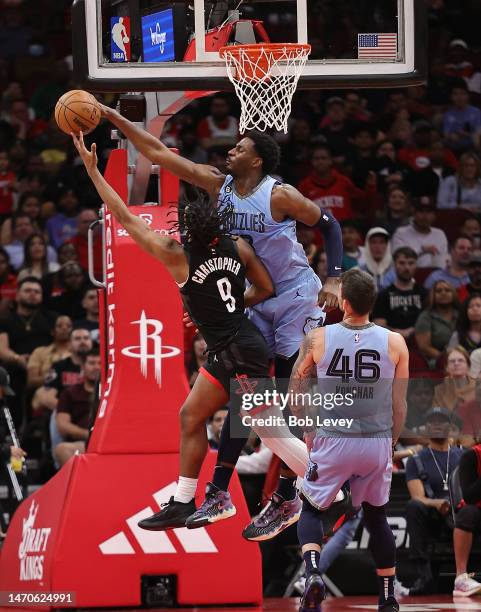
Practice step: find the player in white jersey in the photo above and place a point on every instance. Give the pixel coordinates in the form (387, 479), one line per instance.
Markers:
(265, 214)
(352, 438)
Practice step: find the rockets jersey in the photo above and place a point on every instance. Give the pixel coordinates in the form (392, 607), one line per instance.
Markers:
(274, 242)
(213, 294)
(356, 364)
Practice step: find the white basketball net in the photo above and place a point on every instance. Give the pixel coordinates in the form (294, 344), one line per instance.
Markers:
(265, 79)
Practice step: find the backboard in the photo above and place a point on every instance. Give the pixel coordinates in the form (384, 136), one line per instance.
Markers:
(151, 45)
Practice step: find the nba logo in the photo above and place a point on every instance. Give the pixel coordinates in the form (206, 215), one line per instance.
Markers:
(357, 337)
(120, 39)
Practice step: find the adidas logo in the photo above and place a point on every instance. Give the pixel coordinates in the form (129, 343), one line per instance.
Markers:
(157, 542)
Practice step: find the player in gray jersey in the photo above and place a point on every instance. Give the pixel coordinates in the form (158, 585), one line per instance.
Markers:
(368, 366)
(265, 214)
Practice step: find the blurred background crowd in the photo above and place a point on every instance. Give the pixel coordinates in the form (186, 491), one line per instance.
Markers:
(400, 169)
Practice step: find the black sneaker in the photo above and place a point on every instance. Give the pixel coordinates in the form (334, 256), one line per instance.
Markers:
(173, 514)
(390, 605)
(314, 594)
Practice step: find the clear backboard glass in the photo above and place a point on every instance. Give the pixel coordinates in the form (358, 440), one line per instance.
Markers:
(152, 45)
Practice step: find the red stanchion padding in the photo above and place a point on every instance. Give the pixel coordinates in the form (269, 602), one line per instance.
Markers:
(79, 533)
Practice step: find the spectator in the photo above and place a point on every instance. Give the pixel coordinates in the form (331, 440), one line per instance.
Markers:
(22, 330)
(430, 243)
(73, 410)
(469, 412)
(198, 359)
(306, 235)
(427, 477)
(378, 258)
(443, 162)
(67, 253)
(35, 261)
(28, 204)
(399, 305)
(417, 156)
(64, 373)
(389, 171)
(296, 152)
(457, 386)
(90, 303)
(360, 160)
(458, 66)
(474, 279)
(329, 189)
(219, 128)
(63, 225)
(189, 146)
(80, 241)
(463, 190)
(436, 323)
(72, 282)
(42, 358)
(319, 265)
(420, 395)
(22, 228)
(467, 520)
(334, 129)
(472, 229)
(8, 282)
(351, 240)
(215, 425)
(468, 332)
(398, 210)
(461, 122)
(355, 107)
(455, 273)
(8, 185)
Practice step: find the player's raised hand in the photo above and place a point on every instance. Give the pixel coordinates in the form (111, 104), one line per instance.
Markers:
(329, 294)
(89, 158)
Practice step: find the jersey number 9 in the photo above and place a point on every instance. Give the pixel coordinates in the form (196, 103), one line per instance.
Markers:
(224, 286)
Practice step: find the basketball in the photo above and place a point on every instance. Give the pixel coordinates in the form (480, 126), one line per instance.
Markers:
(76, 111)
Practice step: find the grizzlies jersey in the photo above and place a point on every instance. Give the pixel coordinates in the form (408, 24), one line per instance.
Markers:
(275, 243)
(357, 366)
(213, 294)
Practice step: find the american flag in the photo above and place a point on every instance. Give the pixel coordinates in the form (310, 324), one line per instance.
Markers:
(377, 46)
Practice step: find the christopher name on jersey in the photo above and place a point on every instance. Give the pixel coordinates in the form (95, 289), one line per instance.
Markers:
(215, 264)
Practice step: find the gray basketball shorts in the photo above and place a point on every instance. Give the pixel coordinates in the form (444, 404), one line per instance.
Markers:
(285, 319)
(365, 462)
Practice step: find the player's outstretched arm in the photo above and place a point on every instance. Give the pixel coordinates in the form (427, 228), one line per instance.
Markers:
(399, 354)
(289, 202)
(200, 175)
(261, 286)
(165, 249)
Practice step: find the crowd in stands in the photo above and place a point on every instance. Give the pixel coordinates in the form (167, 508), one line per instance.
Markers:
(400, 170)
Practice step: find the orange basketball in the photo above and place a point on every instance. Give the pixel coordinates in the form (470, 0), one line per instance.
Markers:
(76, 111)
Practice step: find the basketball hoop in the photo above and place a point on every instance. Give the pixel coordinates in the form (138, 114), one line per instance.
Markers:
(265, 78)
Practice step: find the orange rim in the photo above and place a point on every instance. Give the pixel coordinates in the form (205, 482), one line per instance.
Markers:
(255, 49)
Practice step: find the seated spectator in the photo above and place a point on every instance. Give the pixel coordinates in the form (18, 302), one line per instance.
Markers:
(443, 162)
(219, 128)
(419, 398)
(351, 241)
(8, 282)
(468, 329)
(90, 303)
(306, 235)
(215, 426)
(467, 520)
(360, 161)
(74, 408)
(397, 212)
(22, 330)
(355, 107)
(28, 204)
(458, 65)
(456, 272)
(472, 229)
(189, 146)
(457, 386)
(63, 373)
(474, 279)
(72, 282)
(463, 190)
(296, 152)
(390, 173)
(42, 358)
(335, 130)
(461, 122)
(35, 262)
(430, 243)
(469, 414)
(417, 156)
(8, 186)
(22, 228)
(67, 253)
(427, 476)
(399, 305)
(63, 225)
(80, 241)
(437, 322)
(378, 258)
(199, 358)
(319, 265)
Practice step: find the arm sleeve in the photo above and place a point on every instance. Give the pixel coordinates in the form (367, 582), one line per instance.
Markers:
(468, 478)
(331, 231)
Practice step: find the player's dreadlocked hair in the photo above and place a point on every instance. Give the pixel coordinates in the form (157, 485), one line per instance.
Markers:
(201, 222)
(267, 149)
